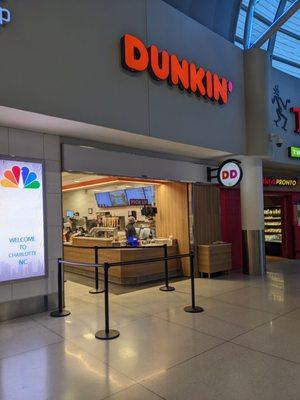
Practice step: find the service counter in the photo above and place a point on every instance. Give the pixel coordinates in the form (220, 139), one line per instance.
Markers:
(131, 274)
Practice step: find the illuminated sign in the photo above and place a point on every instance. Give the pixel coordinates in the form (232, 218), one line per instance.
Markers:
(281, 182)
(5, 16)
(138, 202)
(162, 66)
(22, 240)
(296, 111)
(294, 152)
(230, 173)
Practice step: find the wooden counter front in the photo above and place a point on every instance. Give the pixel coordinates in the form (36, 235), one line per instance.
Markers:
(131, 274)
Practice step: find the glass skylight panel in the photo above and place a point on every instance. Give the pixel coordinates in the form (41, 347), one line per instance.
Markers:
(287, 44)
(267, 9)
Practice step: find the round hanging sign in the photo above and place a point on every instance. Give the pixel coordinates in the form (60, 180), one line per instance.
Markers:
(230, 173)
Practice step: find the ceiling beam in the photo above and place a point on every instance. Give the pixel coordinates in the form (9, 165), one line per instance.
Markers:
(279, 12)
(249, 24)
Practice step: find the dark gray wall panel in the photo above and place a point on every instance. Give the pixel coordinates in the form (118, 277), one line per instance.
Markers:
(62, 58)
(183, 116)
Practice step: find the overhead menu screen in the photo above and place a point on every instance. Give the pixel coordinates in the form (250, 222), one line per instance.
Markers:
(149, 194)
(22, 240)
(118, 198)
(103, 199)
(135, 193)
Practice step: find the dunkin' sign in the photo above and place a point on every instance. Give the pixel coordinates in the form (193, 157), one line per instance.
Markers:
(230, 173)
(162, 66)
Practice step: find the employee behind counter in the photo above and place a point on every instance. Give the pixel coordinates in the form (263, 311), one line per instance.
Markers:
(130, 228)
(81, 227)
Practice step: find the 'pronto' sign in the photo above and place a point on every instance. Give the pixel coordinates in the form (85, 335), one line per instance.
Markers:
(280, 182)
(136, 57)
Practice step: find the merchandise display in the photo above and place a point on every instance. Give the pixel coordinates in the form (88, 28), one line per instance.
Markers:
(273, 224)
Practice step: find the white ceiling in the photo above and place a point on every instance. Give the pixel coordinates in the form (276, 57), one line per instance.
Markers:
(69, 178)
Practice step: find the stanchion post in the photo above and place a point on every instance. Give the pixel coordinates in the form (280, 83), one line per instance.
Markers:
(107, 334)
(193, 308)
(167, 287)
(96, 290)
(61, 312)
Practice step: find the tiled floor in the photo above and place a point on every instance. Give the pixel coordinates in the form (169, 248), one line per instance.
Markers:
(245, 346)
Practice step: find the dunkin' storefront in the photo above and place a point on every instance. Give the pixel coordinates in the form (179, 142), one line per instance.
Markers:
(138, 92)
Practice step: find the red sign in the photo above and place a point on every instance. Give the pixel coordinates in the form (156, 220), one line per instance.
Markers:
(138, 202)
(136, 57)
(297, 116)
(282, 182)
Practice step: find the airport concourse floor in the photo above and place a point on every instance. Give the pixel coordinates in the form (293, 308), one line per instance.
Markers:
(245, 346)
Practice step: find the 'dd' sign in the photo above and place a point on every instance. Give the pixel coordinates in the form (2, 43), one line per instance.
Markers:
(136, 57)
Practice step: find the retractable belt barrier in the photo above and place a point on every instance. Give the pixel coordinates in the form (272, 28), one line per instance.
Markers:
(107, 333)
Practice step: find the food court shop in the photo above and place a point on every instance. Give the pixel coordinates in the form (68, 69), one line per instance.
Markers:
(146, 121)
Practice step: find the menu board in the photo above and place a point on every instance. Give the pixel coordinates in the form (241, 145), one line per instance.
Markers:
(22, 239)
(103, 199)
(118, 198)
(135, 194)
(149, 194)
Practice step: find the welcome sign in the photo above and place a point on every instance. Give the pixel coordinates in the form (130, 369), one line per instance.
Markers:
(22, 240)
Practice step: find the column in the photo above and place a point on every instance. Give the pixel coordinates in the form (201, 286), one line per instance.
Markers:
(252, 209)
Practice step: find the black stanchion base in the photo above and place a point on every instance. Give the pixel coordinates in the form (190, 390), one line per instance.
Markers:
(195, 309)
(96, 291)
(103, 335)
(167, 288)
(59, 314)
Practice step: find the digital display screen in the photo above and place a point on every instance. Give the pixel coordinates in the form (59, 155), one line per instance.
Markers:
(103, 200)
(70, 214)
(118, 198)
(149, 194)
(22, 237)
(135, 193)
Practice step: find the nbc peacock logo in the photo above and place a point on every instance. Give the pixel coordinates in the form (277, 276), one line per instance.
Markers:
(12, 178)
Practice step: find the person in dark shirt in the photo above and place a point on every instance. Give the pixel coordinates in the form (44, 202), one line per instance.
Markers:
(130, 228)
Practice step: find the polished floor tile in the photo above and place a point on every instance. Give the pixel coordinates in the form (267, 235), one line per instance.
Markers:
(154, 301)
(244, 346)
(241, 316)
(229, 372)
(136, 392)
(294, 314)
(263, 298)
(280, 338)
(204, 323)
(149, 346)
(58, 372)
(212, 287)
(22, 335)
